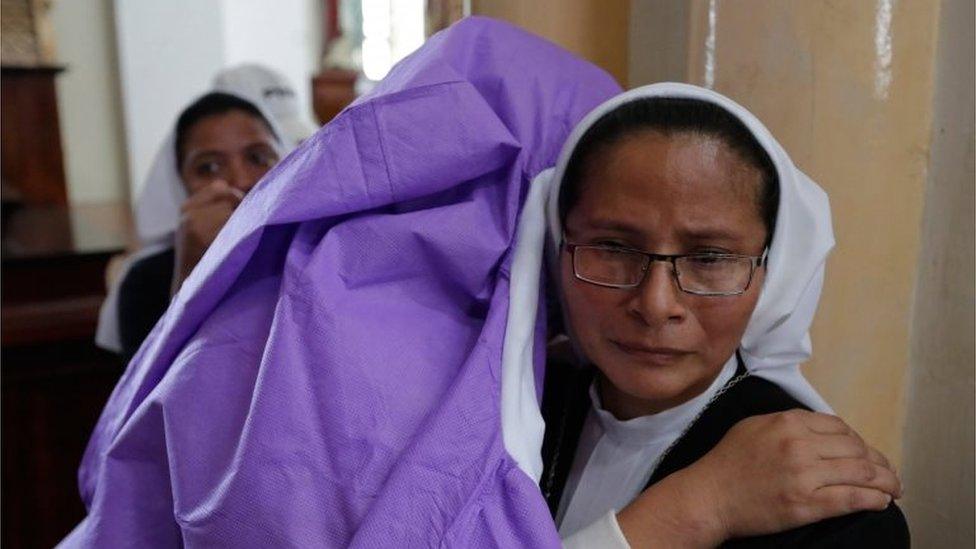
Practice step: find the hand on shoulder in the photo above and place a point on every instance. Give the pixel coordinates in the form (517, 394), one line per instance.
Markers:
(769, 473)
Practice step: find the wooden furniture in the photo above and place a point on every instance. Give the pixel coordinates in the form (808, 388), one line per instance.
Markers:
(334, 88)
(332, 91)
(55, 381)
(31, 135)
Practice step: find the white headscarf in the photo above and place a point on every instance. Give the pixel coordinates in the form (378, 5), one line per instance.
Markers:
(157, 212)
(274, 92)
(775, 341)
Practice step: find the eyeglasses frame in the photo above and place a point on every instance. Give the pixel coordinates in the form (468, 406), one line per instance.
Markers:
(755, 260)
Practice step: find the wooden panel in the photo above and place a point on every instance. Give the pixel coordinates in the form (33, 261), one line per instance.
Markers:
(51, 321)
(51, 397)
(31, 136)
(32, 281)
(55, 381)
(54, 252)
(332, 91)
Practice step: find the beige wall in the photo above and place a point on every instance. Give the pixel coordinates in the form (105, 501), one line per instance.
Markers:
(867, 105)
(89, 106)
(658, 46)
(938, 438)
(594, 29)
(847, 90)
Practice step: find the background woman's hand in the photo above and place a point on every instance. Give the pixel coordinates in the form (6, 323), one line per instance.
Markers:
(204, 214)
(768, 474)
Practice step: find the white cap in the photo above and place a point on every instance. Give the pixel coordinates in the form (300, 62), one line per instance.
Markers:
(271, 90)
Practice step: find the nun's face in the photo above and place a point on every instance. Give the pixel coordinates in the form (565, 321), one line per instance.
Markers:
(235, 147)
(656, 345)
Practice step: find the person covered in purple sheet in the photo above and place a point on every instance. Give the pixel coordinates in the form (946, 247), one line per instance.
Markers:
(689, 259)
(358, 358)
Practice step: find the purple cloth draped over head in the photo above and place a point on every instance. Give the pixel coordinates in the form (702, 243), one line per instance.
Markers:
(329, 374)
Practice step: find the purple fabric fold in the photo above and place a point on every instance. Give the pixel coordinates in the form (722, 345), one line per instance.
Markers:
(329, 374)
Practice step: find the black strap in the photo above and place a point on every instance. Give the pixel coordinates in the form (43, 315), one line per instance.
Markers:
(565, 403)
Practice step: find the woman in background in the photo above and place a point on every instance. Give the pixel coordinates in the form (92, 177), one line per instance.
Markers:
(222, 147)
(236, 133)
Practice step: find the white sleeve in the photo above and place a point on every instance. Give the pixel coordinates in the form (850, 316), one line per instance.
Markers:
(604, 532)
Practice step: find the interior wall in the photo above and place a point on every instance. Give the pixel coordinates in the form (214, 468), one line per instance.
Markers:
(596, 30)
(938, 438)
(875, 101)
(284, 34)
(658, 41)
(170, 51)
(89, 109)
(846, 87)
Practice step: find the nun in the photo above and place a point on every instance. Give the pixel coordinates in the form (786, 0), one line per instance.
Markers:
(358, 358)
(221, 145)
(689, 254)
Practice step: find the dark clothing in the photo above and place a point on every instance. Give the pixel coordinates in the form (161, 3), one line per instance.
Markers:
(144, 295)
(566, 404)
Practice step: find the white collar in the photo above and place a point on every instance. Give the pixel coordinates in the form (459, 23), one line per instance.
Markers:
(647, 430)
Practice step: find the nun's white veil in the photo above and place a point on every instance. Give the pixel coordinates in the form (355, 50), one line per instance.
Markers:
(776, 339)
(157, 210)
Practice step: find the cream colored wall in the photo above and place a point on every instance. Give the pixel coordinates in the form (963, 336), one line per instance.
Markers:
(938, 438)
(89, 106)
(867, 105)
(658, 46)
(847, 88)
(170, 50)
(594, 29)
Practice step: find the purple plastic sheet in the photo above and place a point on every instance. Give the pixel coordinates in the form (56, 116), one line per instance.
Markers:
(329, 374)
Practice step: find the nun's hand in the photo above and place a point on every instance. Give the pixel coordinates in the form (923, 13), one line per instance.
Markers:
(204, 214)
(768, 474)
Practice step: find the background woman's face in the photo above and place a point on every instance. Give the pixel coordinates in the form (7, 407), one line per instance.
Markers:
(234, 146)
(683, 193)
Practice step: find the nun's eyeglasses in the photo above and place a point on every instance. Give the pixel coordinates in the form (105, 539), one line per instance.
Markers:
(705, 274)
